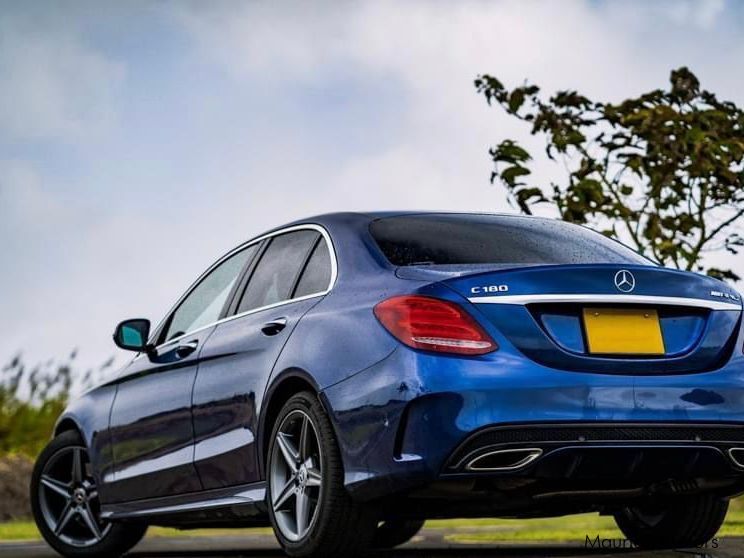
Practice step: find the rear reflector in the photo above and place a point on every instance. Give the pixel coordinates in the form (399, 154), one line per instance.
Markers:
(433, 324)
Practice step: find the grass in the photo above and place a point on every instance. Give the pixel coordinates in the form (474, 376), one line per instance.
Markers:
(18, 531)
(572, 528)
(561, 529)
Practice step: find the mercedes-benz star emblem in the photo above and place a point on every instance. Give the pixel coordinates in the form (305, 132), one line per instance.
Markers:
(624, 281)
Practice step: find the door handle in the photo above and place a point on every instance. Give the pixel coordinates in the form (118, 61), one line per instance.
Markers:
(186, 349)
(274, 326)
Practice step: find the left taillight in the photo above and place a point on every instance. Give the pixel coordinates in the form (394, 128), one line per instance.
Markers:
(433, 324)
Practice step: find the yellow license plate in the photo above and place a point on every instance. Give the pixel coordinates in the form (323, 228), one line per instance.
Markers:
(615, 331)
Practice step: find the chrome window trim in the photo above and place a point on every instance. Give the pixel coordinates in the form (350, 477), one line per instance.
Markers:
(606, 299)
(309, 226)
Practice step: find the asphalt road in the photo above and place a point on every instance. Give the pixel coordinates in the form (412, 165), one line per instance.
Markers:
(429, 545)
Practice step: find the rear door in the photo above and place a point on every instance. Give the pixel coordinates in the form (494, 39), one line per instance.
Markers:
(152, 435)
(293, 271)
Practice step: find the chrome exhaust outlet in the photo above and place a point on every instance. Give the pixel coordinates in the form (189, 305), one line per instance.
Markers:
(504, 460)
(737, 456)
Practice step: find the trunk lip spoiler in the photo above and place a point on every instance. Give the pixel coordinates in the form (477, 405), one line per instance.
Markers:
(607, 299)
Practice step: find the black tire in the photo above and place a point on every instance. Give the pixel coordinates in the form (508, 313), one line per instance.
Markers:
(390, 534)
(340, 526)
(116, 538)
(686, 523)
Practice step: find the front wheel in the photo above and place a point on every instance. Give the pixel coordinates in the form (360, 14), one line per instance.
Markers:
(64, 501)
(311, 512)
(686, 523)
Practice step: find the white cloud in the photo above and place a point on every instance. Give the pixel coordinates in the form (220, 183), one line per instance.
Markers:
(702, 13)
(54, 86)
(434, 49)
(25, 200)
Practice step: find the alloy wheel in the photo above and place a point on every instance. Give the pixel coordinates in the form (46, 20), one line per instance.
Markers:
(68, 498)
(296, 475)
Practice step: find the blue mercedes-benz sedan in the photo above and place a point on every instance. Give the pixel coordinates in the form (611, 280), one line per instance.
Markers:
(346, 377)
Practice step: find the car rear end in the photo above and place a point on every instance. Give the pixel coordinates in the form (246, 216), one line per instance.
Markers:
(543, 369)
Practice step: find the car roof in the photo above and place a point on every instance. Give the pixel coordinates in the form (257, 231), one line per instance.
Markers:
(342, 220)
(382, 214)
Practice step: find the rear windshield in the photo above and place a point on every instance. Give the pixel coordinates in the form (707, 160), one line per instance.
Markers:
(451, 239)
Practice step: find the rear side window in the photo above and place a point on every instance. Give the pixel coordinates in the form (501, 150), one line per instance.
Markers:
(204, 304)
(278, 269)
(451, 239)
(317, 274)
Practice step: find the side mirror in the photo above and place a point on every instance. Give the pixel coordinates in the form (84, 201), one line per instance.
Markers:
(132, 335)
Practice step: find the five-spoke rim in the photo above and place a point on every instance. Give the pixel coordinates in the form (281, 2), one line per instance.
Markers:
(296, 475)
(69, 498)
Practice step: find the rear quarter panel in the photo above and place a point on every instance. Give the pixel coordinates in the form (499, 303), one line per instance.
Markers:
(340, 336)
(336, 339)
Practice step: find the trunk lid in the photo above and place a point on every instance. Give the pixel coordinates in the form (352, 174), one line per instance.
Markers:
(629, 319)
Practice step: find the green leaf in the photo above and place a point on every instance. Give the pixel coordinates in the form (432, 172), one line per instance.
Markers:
(509, 151)
(516, 100)
(510, 174)
(723, 274)
(527, 196)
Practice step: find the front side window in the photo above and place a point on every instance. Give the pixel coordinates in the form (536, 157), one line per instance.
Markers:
(204, 303)
(277, 270)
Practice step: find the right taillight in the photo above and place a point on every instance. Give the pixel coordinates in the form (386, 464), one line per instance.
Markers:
(433, 324)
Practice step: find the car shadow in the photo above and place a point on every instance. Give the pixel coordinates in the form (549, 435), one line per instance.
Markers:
(479, 552)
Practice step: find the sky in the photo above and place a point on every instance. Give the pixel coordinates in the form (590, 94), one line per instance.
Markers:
(141, 140)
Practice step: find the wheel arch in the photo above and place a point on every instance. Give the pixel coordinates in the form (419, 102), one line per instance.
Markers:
(282, 388)
(67, 424)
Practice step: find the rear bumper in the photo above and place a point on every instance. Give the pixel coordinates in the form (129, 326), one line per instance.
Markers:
(404, 422)
(555, 469)
(650, 451)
